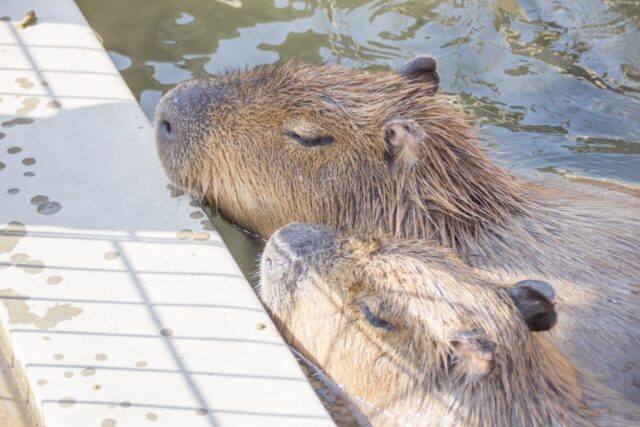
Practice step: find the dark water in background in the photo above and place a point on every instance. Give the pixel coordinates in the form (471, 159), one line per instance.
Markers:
(554, 84)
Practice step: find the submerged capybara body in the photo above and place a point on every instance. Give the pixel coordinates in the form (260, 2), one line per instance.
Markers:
(382, 154)
(415, 337)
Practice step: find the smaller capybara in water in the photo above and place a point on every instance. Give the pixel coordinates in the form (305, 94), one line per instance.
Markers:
(385, 153)
(414, 336)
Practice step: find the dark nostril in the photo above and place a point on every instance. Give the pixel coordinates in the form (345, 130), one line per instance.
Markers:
(166, 126)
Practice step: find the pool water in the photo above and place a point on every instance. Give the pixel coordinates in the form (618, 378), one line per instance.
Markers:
(554, 85)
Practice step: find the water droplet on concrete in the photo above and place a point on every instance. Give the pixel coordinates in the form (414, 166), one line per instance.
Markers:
(184, 234)
(87, 372)
(49, 208)
(67, 402)
(54, 280)
(111, 255)
(36, 200)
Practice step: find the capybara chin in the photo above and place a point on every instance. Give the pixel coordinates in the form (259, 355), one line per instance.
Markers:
(384, 153)
(414, 336)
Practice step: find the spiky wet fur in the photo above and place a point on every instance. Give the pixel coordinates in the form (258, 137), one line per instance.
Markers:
(586, 242)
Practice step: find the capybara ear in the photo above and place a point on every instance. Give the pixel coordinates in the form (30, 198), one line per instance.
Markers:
(475, 355)
(403, 138)
(533, 298)
(422, 69)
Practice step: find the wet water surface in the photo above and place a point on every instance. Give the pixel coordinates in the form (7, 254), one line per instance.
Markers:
(555, 85)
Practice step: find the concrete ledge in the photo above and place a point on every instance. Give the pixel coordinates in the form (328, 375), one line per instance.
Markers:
(117, 304)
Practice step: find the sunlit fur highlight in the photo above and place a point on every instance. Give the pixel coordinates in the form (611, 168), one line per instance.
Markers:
(410, 376)
(585, 241)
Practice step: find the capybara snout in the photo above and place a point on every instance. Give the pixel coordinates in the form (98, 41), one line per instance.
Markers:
(181, 122)
(290, 251)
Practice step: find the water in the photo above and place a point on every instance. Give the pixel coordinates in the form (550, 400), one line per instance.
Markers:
(555, 85)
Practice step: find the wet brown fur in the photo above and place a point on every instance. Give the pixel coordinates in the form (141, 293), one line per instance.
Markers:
(586, 242)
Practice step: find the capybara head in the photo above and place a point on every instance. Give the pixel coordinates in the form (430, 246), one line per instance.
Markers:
(412, 333)
(332, 145)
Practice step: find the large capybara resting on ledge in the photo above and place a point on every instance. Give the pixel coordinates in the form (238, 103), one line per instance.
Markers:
(384, 154)
(416, 337)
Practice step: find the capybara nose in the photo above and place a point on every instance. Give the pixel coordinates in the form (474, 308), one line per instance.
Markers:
(183, 113)
(291, 250)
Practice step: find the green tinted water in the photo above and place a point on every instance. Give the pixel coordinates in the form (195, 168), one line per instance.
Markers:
(555, 85)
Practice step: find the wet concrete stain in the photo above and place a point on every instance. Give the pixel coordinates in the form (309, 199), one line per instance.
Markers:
(58, 356)
(207, 225)
(20, 313)
(175, 191)
(111, 255)
(2, 135)
(201, 412)
(28, 105)
(67, 402)
(17, 122)
(101, 357)
(260, 326)
(42, 382)
(68, 374)
(166, 332)
(141, 364)
(14, 150)
(152, 416)
(108, 422)
(11, 235)
(5, 18)
(184, 234)
(29, 161)
(13, 191)
(202, 235)
(24, 83)
(45, 206)
(29, 174)
(125, 404)
(195, 203)
(88, 372)
(196, 215)
(2, 166)
(54, 104)
(27, 264)
(54, 280)
(36, 200)
(49, 208)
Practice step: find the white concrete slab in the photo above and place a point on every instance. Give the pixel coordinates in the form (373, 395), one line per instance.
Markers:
(114, 315)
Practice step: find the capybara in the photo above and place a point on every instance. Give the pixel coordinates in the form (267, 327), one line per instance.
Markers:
(384, 153)
(414, 336)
